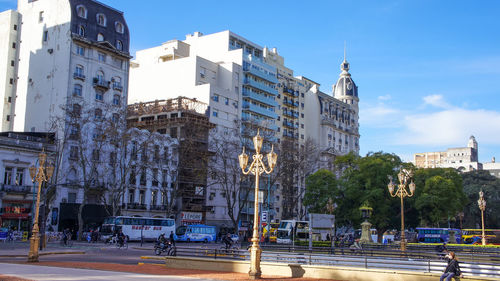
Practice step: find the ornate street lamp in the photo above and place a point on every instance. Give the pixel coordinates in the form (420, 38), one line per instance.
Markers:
(482, 206)
(366, 212)
(41, 174)
(256, 168)
(403, 176)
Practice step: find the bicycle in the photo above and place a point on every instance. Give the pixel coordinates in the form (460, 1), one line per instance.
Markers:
(231, 250)
(123, 245)
(68, 243)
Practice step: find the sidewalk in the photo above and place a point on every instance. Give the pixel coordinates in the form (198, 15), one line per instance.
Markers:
(21, 249)
(49, 273)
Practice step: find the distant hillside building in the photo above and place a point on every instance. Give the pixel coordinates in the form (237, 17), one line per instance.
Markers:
(462, 158)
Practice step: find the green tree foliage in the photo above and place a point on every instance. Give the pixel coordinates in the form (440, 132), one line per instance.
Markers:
(365, 179)
(439, 195)
(474, 182)
(320, 186)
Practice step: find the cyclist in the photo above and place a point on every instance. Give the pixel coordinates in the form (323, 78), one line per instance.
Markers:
(171, 237)
(227, 240)
(121, 239)
(66, 236)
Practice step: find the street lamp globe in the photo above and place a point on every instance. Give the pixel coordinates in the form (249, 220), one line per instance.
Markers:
(243, 158)
(257, 142)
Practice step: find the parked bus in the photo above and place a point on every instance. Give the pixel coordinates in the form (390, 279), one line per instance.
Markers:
(137, 227)
(473, 236)
(437, 235)
(196, 233)
(292, 230)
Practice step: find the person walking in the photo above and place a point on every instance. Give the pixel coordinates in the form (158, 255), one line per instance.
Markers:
(171, 237)
(452, 269)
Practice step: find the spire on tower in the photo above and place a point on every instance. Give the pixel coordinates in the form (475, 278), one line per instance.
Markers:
(344, 49)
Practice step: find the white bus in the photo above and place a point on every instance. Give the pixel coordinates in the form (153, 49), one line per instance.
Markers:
(137, 227)
(292, 230)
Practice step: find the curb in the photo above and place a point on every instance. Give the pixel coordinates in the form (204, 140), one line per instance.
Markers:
(145, 249)
(44, 254)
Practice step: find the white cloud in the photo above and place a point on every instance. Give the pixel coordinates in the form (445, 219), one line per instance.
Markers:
(437, 101)
(380, 115)
(450, 127)
(384, 97)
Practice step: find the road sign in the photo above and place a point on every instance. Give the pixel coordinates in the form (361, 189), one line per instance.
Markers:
(264, 216)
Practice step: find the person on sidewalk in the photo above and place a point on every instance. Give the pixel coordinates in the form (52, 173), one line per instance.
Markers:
(453, 268)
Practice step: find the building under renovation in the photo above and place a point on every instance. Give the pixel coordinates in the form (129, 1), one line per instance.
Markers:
(187, 120)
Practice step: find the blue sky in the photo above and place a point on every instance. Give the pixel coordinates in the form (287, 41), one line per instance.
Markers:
(428, 72)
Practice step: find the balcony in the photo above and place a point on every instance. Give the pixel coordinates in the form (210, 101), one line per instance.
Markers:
(135, 206)
(158, 207)
(290, 92)
(80, 76)
(21, 189)
(100, 83)
(290, 113)
(261, 86)
(253, 95)
(259, 110)
(117, 86)
(290, 103)
(261, 122)
(261, 74)
(328, 122)
(290, 125)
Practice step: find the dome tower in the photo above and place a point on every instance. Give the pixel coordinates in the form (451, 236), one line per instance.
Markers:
(345, 89)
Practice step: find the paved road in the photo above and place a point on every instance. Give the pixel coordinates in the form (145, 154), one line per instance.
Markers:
(48, 273)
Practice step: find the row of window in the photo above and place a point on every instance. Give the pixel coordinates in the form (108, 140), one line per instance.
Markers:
(82, 12)
(100, 37)
(13, 176)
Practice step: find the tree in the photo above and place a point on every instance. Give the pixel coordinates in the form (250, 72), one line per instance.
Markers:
(439, 195)
(320, 187)
(473, 182)
(364, 179)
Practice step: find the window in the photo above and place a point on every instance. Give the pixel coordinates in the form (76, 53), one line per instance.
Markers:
(142, 196)
(215, 113)
(302, 115)
(8, 117)
(77, 90)
(119, 45)
(115, 117)
(112, 158)
(40, 17)
(154, 181)
(101, 57)
(15, 26)
(77, 109)
(202, 72)
(79, 72)
(7, 178)
(226, 101)
(74, 133)
(131, 196)
(11, 63)
(100, 77)
(71, 197)
(81, 30)
(14, 45)
(101, 19)
(119, 27)
(99, 95)
(100, 37)
(80, 50)
(73, 152)
(116, 100)
(45, 36)
(98, 114)
(215, 98)
(81, 11)
(11, 81)
(95, 155)
(154, 197)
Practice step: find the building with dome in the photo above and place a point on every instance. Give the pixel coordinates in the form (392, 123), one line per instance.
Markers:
(464, 159)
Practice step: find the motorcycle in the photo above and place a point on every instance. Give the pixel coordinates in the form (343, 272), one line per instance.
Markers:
(164, 247)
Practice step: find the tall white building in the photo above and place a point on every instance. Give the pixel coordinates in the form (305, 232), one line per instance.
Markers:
(248, 86)
(71, 74)
(10, 22)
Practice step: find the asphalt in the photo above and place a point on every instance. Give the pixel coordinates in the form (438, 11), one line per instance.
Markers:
(49, 273)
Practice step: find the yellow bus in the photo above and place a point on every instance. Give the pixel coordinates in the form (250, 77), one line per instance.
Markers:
(473, 236)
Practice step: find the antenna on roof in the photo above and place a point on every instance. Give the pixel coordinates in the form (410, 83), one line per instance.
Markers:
(344, 49)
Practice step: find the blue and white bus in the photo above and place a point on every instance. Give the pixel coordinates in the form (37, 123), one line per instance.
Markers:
(196, 233)
(137, 227)
(437, 235)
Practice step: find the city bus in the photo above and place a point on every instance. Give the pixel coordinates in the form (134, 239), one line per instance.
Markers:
(437, 235)
(473, 236)
(137, 227)
(196, 233)
(292, 230)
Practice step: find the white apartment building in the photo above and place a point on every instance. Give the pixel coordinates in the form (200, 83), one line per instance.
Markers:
(10, 22)
(248, 86)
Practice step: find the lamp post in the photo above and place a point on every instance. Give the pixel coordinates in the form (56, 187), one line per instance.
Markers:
(41, 174)
(403, 176)
(257, 167)
(482, 206)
